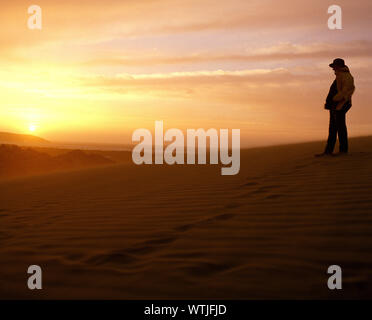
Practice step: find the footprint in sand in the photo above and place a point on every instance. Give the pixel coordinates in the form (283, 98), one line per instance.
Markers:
(225, 216)
(203, 269)
(265, 189)
(149, 246)
(131, 254)
(233, 205)
(185, 227)
(111, 258)
(274, 196)
(250, 184)
(220, 217)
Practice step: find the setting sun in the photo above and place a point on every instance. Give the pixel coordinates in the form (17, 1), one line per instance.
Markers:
(32, 127)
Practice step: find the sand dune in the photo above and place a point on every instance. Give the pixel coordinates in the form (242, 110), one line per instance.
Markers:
(187, 232)
(22, 139)
(16, 161)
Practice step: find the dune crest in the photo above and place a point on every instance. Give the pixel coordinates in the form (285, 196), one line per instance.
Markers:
(23, 161)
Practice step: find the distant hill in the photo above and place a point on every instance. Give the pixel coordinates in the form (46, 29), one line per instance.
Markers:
(21, 139)
(21, 161)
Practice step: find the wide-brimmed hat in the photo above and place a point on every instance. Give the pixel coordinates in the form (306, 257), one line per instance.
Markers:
(338, 63)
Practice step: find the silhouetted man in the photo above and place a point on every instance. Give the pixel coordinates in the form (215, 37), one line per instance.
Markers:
(338, 103)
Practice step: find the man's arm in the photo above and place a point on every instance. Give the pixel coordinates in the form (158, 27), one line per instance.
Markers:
(347, 88)
(346, 91)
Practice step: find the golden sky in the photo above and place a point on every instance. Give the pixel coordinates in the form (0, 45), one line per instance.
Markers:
(98, 70)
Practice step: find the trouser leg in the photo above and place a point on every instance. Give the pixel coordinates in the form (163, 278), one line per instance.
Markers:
(342, 131)
(332, 132)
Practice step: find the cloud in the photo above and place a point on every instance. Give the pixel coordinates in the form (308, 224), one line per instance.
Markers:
(96, 21)
(187, 79)
(283, 51)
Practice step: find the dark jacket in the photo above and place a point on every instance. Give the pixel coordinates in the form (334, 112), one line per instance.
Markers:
(339, 96)
(330, 104)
